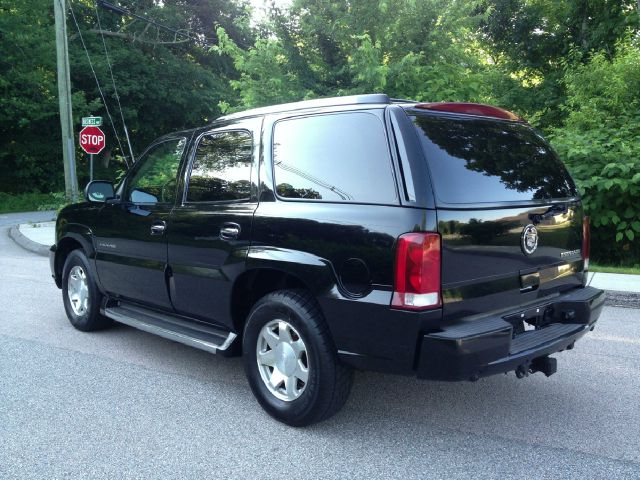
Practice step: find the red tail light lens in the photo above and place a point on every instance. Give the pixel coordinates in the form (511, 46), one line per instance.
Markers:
(586, 241)
(471, 109)
(417, 282)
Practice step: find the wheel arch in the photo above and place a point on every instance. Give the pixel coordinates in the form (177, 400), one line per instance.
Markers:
(72, 239)
(254, 284)
(270, 268)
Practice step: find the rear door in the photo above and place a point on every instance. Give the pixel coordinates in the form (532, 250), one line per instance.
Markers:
(508, 212)
(210, 231)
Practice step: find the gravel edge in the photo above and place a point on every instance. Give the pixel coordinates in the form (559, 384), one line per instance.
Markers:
(622, 299)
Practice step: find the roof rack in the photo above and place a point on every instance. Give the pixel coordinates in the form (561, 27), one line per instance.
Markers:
(373, 98)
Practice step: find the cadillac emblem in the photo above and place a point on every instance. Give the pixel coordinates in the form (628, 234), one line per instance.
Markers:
(529, 239)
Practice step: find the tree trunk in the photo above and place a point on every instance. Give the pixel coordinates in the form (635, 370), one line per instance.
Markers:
(106, 158)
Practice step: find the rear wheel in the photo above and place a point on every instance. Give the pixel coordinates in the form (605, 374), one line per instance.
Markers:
(290, 359)
(80, 294)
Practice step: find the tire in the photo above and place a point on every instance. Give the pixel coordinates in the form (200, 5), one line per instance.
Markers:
(78, 284)
(277, 323)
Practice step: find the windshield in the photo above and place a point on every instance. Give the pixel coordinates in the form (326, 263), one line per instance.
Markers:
(479, 160)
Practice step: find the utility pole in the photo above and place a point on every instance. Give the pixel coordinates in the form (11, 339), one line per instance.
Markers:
(64, 97)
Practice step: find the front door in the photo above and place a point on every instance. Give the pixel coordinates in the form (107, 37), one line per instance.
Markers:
(131, 242)
(210, 231)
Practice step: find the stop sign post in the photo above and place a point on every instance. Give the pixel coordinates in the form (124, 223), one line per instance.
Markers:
(92, 141)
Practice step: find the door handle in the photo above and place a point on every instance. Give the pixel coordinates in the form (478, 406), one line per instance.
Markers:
(157, 228)
(229, 231)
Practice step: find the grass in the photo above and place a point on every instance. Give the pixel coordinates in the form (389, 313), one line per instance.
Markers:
(30, 202)
(613, 269)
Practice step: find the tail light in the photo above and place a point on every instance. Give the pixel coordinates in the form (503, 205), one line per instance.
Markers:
(586, 241)
(417, 279)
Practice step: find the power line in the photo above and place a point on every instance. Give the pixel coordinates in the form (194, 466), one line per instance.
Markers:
(115, 89)
(97, 81)
(125, 11)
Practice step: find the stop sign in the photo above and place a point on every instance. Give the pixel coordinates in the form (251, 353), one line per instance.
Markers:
(92, 139)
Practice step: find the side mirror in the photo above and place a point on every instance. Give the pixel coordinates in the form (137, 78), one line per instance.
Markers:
(99, 191)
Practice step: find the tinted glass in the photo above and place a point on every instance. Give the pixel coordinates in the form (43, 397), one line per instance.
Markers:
(222, 168)
(154, 180)
(476, 160)
(339, 158)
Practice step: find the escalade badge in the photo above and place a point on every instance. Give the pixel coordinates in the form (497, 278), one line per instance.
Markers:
(529, 239)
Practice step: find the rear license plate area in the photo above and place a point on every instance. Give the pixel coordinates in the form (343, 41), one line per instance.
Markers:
(530, 319)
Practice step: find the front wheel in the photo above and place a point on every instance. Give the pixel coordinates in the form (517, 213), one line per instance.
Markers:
(290, 359)
(80, 294)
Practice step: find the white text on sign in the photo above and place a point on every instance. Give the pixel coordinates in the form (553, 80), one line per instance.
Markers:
(88, 139)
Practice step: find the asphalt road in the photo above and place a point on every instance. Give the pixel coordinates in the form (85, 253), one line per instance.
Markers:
(126, 404)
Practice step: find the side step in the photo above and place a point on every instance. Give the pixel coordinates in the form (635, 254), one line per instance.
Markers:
(205, 337)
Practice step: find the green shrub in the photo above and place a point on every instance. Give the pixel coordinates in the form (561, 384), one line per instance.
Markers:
(29, 202)
(600, 143)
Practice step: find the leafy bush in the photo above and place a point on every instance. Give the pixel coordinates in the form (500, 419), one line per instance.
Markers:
(600, 143)
(55, 201)
(28, 202)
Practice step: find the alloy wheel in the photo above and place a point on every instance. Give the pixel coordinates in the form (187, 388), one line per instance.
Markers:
(282, 360)
(78, 290)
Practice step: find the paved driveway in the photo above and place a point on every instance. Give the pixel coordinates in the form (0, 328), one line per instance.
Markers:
(125, 404)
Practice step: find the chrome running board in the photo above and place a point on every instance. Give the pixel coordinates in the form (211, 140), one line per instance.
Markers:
(203, 336)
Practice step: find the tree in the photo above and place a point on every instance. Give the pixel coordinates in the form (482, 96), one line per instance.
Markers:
(424, 50)
(533, 39)
(164, 82)
(600, 142)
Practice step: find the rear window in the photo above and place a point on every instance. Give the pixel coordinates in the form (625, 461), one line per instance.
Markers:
(333, 158)
(488, 161)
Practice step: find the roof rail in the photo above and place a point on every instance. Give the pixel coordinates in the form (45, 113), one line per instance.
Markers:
(371, 98)
(403, 100)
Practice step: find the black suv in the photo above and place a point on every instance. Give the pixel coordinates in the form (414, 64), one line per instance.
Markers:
(443, 240)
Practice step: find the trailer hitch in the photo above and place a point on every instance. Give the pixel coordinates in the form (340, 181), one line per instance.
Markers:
(546, 365)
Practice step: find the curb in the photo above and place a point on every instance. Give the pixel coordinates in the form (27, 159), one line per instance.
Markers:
(622, 299)
(27, 244)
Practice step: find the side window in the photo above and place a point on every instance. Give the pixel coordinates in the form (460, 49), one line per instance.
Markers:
(335, 158)
(221, 169)
(155, 180)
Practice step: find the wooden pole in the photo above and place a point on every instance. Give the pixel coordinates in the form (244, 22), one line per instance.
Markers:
(64, 98)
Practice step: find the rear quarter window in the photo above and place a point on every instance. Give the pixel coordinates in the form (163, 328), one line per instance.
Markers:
(488, 161)
(342, 157)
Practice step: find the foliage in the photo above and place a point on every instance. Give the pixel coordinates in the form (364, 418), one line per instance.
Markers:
(533, 39)
(29, 123)
(29, 202)
(570, 67)
(600, 142)
(164, 83)
(423, 50)
(55, 201)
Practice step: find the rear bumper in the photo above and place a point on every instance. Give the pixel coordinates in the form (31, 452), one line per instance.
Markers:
(473, 349)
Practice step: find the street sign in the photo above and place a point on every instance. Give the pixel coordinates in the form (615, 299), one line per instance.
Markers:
(91, 121)
(92, 140)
